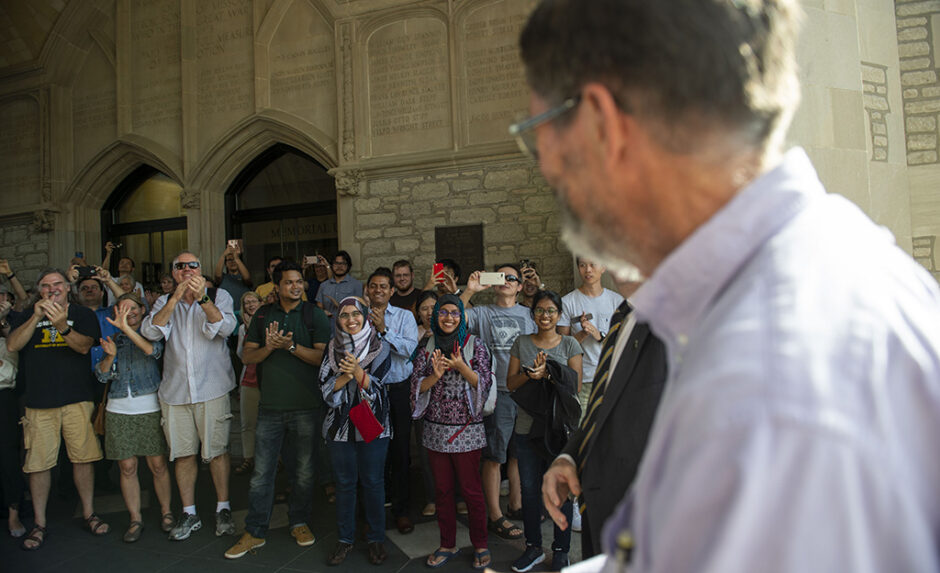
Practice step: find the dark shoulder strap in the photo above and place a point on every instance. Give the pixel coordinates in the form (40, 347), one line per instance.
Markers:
(211, 292)
(307, 311)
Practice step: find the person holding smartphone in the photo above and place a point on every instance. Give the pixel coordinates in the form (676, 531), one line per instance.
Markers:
(231, 273)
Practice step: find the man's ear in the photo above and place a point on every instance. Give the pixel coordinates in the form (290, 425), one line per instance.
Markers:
(610, 126)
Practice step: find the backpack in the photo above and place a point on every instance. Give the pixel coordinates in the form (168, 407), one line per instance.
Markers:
(489, 406)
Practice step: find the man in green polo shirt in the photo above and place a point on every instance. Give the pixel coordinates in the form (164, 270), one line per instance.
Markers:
(286, 339)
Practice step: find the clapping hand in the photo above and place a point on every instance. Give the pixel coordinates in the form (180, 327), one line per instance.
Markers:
(350, 365)
(56, 313)
(539, 367)
(108, 345)
(274, 338)
(197, 284)
(438, 363)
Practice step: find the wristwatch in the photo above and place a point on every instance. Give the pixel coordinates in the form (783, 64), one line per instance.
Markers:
(292, 347)
(204, 299)
(64, 333)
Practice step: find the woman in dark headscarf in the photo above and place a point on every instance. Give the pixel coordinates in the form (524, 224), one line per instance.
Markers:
(449, 384)
(353, 371)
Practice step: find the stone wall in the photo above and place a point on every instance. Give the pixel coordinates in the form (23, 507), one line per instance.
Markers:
(26, 248)
(396, 217)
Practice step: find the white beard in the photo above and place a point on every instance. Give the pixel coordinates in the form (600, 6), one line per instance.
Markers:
(583, 241)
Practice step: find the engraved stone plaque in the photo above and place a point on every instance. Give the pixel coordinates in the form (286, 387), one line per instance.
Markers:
(464, 244)
(493, 88)
(224, 56)
(302, 64)
(409, 88)
(94, 107)
(19, 152)
(156, 73)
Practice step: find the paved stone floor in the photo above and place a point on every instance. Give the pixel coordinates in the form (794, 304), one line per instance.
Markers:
(71, 548)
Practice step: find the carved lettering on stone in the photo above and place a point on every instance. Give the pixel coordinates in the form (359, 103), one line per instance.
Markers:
(303, 71)
(493, 82)
(156, 76)
(224, 55)
(19, 151)
(409, 87)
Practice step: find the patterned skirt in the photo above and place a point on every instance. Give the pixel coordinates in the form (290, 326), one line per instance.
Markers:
(131, 435)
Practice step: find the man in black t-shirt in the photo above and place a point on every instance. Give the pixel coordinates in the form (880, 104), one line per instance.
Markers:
(53, 341)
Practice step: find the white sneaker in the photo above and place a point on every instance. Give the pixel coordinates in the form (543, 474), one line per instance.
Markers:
(575, 518)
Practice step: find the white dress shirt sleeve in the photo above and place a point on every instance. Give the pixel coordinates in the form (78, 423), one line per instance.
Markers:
(152, 331)
(224, 327)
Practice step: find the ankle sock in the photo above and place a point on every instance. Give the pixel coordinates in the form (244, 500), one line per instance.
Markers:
(222, 505)
(190, 509)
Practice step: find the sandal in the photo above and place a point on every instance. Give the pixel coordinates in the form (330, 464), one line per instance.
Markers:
(133, 532)
(440, 553)
(514, 513)
(95, 524)
(482, 559)
(246, 467)
(167, 522)
(504, 528)
(38, 536)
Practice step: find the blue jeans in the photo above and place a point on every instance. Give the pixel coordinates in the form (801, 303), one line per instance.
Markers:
(532, 466)
(300, 430)
(354, 462)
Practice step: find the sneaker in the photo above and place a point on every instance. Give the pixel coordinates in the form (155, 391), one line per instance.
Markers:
(224, 524)
(575, 519)
(559, 560)
(247, 543)
(532, 557)
(504, 488)
(303, 535)
(186, 526)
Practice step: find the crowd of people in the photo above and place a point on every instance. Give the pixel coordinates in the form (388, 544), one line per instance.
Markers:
(332, 376)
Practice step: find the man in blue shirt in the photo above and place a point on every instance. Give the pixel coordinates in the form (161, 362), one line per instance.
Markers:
(399, 329)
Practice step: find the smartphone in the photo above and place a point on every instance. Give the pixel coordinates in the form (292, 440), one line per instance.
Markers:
(79, 254)
(87, 271)
(588, 316)
(436, 270)
(310, 260)
(528, 369)
(525, 263)
(498, 279)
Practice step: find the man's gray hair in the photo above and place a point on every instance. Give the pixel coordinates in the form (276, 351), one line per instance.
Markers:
(50, 271)
(682, 64)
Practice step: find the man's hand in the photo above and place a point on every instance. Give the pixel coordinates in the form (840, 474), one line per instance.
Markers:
(274, 338)
(5, 307)
(180, 291)
(473, 283)
(109, 247)
(57, 315)
(378, 320)
(5, 267)
(530, 276)
(103, 273)
(197, 285)
(560, 479)
(590, 329)
(72, 274)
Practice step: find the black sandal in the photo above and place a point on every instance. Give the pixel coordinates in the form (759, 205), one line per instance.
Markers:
(95, 524)
(504, 528)
(39, 541)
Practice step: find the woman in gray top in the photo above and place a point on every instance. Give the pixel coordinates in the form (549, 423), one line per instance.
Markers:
(527, 365)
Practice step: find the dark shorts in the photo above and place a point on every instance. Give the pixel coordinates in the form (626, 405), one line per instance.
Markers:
(499, 428)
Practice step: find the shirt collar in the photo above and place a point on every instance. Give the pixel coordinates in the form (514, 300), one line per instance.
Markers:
(684, 285)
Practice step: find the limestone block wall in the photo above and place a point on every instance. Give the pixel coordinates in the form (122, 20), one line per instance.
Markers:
(26, 247)
(918, 33)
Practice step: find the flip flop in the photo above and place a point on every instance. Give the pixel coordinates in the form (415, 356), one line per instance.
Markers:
(478, 558)
(447, 555)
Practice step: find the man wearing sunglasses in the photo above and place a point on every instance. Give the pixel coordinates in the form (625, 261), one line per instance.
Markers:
(797, 428)
(197, 376)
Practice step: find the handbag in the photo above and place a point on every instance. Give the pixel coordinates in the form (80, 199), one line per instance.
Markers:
(364, 419)
(98, 422)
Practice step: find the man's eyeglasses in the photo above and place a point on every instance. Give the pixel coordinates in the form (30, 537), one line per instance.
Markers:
(340, 264)
(183, 264)
(539, 311)
(524, 131)
(512, 279)
(451, 313)
(348, 315)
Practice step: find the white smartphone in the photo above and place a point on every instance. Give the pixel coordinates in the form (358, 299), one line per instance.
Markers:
(497, 279)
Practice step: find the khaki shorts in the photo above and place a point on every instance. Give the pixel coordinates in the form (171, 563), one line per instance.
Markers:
(43, 430)
(188, 425)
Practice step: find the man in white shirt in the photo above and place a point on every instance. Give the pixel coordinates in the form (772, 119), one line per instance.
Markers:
(797, 429)
(197, 376)
(586, 316)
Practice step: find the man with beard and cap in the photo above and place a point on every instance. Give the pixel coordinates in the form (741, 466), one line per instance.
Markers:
(796, 429)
